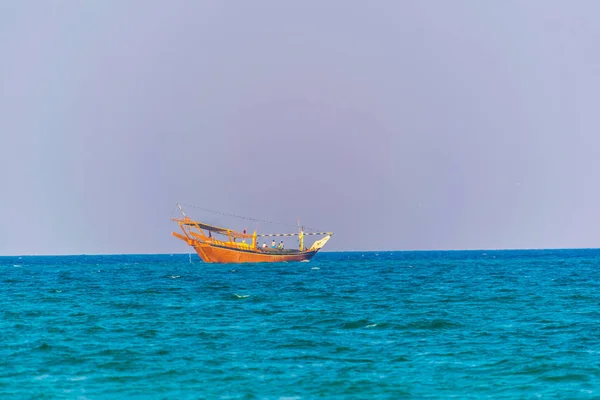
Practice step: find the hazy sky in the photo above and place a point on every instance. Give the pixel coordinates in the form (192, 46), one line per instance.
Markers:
(396, 124)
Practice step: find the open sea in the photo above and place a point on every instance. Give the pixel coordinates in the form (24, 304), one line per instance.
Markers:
(400, 325)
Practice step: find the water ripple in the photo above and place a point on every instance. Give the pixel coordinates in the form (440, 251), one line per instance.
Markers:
(493, 324)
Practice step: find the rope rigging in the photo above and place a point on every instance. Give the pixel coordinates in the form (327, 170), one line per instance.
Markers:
(242, 217)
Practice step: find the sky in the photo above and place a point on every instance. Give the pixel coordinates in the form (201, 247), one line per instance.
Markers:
(398, 125)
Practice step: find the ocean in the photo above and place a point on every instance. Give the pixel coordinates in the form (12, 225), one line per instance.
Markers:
(372, 325)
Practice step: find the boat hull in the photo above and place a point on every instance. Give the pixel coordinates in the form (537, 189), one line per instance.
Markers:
(220, 254)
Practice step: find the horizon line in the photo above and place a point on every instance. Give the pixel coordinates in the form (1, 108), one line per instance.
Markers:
(326, 251)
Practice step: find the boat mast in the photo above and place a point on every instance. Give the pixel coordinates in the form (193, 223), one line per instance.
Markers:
(300, 235)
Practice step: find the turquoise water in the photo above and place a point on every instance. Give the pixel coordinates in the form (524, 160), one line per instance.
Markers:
(473, 324)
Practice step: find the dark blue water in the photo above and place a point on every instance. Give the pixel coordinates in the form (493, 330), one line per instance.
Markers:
(477, 324)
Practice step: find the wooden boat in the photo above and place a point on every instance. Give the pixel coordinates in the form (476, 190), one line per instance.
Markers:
(221, 245)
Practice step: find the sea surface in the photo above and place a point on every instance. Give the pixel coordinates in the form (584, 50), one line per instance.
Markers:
(399, 325)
